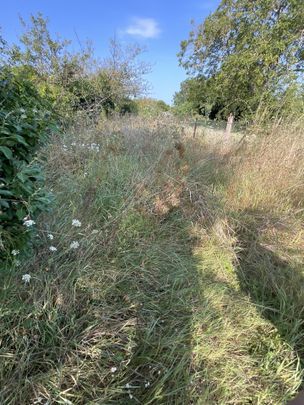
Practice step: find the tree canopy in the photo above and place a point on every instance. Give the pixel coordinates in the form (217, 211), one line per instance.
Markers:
(78, 80)
(248, 51)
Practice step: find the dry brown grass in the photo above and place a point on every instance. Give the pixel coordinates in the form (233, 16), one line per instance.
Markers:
(177, 282)
(269, 172)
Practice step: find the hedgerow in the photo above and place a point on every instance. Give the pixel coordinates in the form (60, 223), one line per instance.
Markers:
(26, 121)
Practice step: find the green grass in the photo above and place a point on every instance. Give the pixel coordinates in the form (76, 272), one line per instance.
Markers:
(154, 307)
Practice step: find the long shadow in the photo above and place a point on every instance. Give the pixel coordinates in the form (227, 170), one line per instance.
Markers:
(143, 323)
(274, 284)
(163, 286)
(142, 326)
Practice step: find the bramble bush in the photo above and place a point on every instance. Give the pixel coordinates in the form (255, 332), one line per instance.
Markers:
(26, 121)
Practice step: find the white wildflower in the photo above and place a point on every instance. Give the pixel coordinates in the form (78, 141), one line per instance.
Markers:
(50, 236)
(26, 278)
(128, 385)
(76, 223)
(53, 249)
(130, 395)
(15, 252)
(94, 146)
(74, 245)
(147, 384)
(113, 369)
(28, 223)
(17, 263)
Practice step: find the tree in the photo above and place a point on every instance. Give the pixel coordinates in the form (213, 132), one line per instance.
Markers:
(193, 97)
(150, 107)
(126, 68)
(77, 80)
(2, 45)
(248, 50)
(3, 50)
(115, 81)
(49, 57)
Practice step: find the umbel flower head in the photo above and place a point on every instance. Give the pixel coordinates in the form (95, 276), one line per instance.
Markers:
(26, 278)
(53, 249)
(74, 245)
(76, 223)
(28, 223)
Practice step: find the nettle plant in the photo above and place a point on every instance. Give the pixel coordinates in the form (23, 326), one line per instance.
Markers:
(25, 124)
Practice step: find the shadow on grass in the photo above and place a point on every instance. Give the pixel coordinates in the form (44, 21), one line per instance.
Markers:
(122, 330)
(163, 286)
(130, 312)
(274, 283)
(170, 364)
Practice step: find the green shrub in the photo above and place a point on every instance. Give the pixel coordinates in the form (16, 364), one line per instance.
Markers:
(149, 107)
(25, 123)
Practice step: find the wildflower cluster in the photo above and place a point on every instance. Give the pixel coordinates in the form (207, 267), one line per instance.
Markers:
(95, 147)
(73, 246)
(26, 278)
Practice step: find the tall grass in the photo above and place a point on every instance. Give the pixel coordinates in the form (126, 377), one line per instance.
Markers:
(265, 198)
(185, 287)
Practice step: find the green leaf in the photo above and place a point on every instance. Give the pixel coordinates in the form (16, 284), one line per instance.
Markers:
(22, 177)
(6, 192)
(4, 203)
(20, 139)
(6, 152)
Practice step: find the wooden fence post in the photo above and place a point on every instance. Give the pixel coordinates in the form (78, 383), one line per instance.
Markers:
(195, 126)
(228, 127)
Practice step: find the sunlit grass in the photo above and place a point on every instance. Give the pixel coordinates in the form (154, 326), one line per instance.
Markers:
(157, 293)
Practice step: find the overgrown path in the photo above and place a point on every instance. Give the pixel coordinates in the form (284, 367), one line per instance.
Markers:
(147, 306)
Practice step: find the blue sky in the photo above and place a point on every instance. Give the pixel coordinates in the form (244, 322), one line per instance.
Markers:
(158, 25)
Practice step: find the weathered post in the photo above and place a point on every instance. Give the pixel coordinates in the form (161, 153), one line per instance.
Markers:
(228, 127)
(195, 126)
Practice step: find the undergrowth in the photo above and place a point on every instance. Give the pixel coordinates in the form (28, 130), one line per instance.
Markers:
(175, 276)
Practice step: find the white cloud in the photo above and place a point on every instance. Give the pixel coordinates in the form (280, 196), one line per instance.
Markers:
(144, 27)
